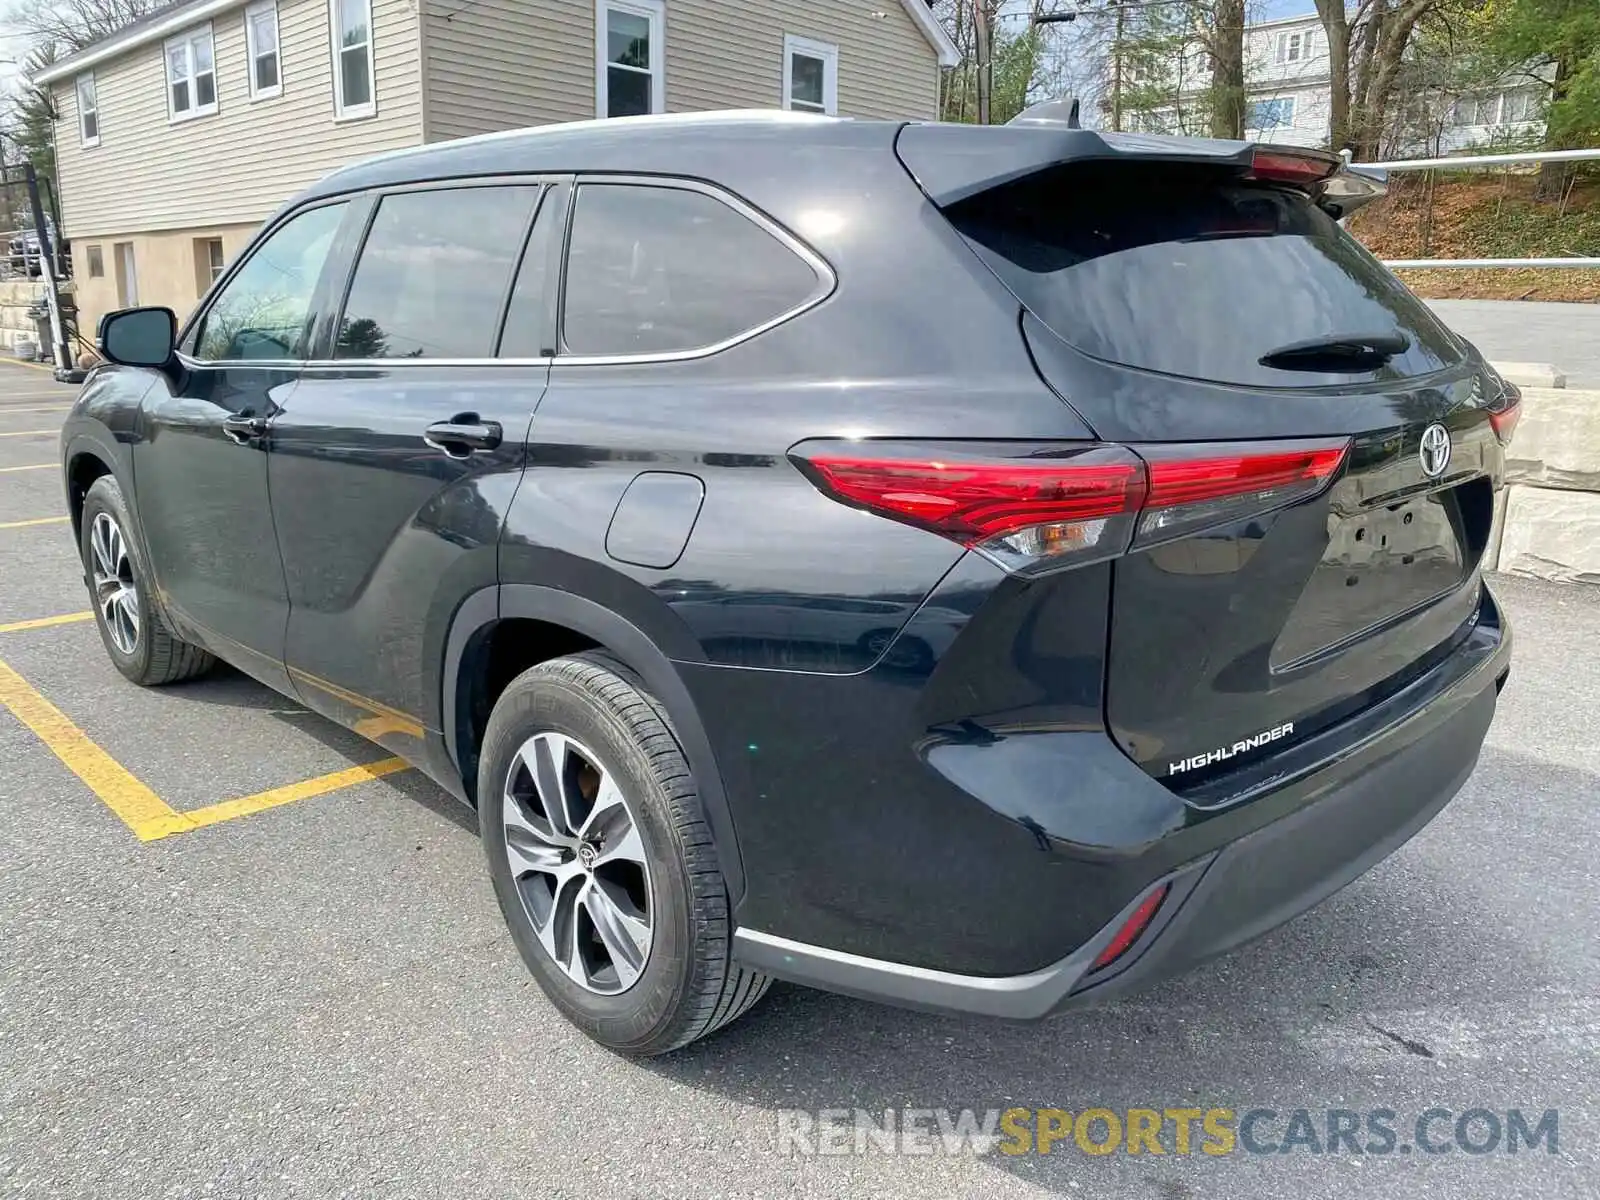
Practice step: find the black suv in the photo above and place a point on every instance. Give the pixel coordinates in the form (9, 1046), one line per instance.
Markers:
(972, 568)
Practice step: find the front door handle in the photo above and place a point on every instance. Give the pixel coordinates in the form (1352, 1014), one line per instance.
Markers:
(462, 434)
(243, 429)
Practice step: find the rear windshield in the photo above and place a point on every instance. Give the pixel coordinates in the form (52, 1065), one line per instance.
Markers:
(1189, 272)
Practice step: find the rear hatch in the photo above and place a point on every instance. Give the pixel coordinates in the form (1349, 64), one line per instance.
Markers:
(1208, 314)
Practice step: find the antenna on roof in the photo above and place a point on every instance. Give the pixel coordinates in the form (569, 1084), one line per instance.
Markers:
(1052, 112)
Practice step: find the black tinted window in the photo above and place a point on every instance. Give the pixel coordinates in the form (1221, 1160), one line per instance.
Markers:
(433, 274)
(525, 317)
(1193, 274)
(264, 310)
(652, 269)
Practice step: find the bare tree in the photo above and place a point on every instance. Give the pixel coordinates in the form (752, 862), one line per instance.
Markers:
(1366, 51)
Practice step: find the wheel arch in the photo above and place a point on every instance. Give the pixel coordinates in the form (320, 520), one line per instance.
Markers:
(588, 625)
(85, 461)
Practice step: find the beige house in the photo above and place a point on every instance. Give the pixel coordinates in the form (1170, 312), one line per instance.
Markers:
(179, 134)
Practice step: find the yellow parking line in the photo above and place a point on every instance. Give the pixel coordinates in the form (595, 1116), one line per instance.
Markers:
(6, 409)
(29, 432)
(34, 521)
(46, 622)
(33, 366)
(29, 467)
(141, 810)
(320, 786)
(147, 814)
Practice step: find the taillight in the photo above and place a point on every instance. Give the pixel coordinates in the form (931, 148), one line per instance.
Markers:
(1135, 925)
(1021, 511)
(1505, 412)
(1029, 507)
(1197, 486)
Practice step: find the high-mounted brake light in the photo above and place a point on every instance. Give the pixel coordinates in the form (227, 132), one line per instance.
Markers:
(1028, 507)
(1282, 166)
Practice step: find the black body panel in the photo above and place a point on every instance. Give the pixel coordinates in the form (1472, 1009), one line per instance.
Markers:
(906, 753)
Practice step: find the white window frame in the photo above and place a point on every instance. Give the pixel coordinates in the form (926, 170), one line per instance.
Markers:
(1295, 39)
(252, 51)
(811, 48)
(187, 40)
(341, 110)
(654, 12)
(92, 110)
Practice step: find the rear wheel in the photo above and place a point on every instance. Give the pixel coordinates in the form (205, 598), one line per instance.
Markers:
(139, 643)
(602, 859)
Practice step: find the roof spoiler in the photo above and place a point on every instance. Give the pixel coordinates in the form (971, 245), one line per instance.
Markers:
(953, 162)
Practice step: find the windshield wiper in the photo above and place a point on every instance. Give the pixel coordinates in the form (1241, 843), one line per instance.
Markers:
(1341, 351)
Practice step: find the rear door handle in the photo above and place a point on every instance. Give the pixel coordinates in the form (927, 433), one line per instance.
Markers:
(243, 429)
(462, 434)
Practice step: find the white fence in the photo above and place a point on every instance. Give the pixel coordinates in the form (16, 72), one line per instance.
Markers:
(1465, 161)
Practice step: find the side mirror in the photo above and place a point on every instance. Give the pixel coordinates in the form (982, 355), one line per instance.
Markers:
(139, 337)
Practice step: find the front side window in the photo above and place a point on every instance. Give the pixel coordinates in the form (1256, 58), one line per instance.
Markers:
(810, 75)
(630, 76)
(88, 111)
(434, 272)
(265, 311)
(353, 91)
(654, 270)
(191, 75)
(261, 41)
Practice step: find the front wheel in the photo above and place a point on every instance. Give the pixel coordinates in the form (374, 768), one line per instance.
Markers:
(602, 859)
(139, 643)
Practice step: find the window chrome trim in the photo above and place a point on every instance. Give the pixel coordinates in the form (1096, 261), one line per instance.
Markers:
(827, 281)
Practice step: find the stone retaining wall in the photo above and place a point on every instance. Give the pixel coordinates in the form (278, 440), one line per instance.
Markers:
(15, 297)
(1547, 521)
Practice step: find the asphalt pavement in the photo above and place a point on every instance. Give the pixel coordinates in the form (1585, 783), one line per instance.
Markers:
(317, 998)
(1567, 335)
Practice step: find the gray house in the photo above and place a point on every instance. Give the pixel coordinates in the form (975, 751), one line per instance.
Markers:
(178, 135)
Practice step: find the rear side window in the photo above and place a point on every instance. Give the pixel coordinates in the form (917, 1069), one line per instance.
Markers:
(1192, 273)
(653, 270)
(433, 273)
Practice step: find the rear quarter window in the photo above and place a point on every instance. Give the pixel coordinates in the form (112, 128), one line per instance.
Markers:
(658, 270)
(1191, 273)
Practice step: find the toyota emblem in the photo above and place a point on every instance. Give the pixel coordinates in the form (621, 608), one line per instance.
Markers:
(1435, 450)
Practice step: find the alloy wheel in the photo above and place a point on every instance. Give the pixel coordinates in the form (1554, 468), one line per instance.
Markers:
(115, 592)
(578, 863)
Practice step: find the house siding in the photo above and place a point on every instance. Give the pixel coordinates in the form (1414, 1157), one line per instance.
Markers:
(239, 164)
(501, 64)
(504, 64)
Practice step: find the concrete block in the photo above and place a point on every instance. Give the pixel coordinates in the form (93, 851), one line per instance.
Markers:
(1552, 534)
(1557, 442)
(1531, 374)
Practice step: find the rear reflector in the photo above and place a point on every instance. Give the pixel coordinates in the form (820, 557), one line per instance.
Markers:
(1028, 506)
(1131, 929)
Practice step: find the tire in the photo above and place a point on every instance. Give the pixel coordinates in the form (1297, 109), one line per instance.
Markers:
(590, 707)
(153, 656)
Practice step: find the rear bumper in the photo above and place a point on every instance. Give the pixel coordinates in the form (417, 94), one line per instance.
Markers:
(1295, 844)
